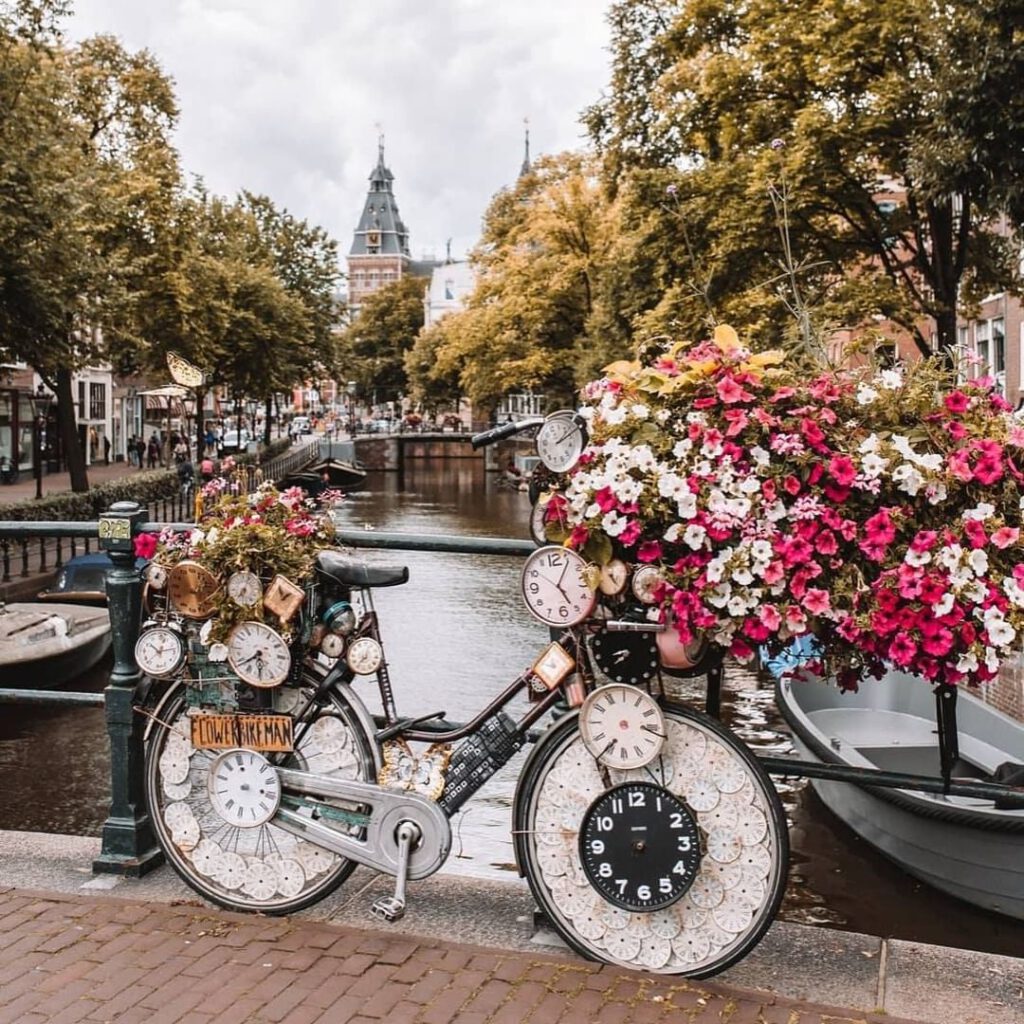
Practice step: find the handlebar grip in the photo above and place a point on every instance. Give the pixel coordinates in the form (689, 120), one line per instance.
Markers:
(626, 626)
(495, 434)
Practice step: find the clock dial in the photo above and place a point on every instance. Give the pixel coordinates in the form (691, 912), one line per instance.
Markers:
(537, 513)
(364, 656)
(561, 440)
(625, 657)
(640, 846)
(555, 586)
(156, 575)
(258, 655)
(614, 576)
(646, 580)
(244, 588)
(244, 788)
(622, 726)
(192, 589)
(332, 645)
(160, 651)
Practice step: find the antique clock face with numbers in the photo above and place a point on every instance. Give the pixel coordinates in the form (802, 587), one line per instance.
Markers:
(622, 726)
(244, 788)
(160, 651)
(561, 440)
(640, 846)
(555, 586)
(258, 654)
(192, 589)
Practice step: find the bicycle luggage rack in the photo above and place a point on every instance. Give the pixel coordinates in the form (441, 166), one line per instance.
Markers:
(128, 843)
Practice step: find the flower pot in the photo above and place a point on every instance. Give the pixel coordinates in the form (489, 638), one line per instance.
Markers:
(684, 660)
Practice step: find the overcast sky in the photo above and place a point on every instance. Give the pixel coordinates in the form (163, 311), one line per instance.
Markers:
(283, 97)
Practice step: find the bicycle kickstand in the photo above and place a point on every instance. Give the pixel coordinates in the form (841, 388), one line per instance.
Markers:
(392, 908)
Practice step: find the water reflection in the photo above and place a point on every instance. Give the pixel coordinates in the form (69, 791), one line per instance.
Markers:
(455, 635)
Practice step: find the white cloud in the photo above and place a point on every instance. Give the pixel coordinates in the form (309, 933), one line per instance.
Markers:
(283, 97)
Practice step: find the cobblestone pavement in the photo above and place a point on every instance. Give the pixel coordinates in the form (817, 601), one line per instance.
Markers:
(66, 959)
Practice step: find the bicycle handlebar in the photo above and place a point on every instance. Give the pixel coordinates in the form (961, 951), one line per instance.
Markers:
(505, 430)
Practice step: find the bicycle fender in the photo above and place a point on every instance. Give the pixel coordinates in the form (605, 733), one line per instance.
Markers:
(567, 723)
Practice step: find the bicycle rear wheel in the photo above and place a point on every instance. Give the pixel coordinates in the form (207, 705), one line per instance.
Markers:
(743, 841)
(260, 868)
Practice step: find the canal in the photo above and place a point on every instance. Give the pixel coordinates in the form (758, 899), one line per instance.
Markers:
(455, 635)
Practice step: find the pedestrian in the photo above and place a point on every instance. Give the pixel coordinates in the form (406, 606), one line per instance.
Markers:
(152, 452)
(106, 449)
(140, 451)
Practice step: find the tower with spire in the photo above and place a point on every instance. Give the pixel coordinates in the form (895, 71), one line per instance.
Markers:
(527, 166)
(380, 245)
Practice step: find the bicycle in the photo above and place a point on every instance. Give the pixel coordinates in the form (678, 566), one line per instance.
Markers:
(649, 835)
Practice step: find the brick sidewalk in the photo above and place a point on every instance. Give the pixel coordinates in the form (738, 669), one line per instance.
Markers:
(67, 959)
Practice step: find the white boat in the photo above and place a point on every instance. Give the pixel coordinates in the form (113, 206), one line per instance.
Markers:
(970, 848)
(45, 645)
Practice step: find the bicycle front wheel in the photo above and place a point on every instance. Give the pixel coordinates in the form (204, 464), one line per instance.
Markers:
(703, 773)
(260, 868)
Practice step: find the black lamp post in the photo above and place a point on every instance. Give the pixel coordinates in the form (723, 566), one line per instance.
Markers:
(251, 405)
(188, 407)
(40, 407)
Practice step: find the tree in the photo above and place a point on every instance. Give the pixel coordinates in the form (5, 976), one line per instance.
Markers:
(372, 348)
(430, 387)
(895, 165)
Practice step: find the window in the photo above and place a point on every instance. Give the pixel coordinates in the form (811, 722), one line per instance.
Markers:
(81, 399)
(97, 401)
(998, 346)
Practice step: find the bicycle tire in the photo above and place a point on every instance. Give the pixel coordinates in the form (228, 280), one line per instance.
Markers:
(740, 896)
(202, 848)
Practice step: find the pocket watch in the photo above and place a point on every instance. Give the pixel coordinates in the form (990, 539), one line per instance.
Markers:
(244, 588)
(258, 654)
(364, 655)
(646, 580)
(614, 576)
(555, 586)
(156, 575)
(622, 726)
(537, 513)
(160, 651)
(332, 645)
(561, 440)
(192, 589)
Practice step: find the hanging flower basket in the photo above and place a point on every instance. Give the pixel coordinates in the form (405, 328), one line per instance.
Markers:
(878, 511)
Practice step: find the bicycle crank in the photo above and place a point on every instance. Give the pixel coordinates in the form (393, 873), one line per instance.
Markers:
(384, 844)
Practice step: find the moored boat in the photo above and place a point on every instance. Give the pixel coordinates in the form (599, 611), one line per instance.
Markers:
(340, 475)
(44, 645)
(970, 848)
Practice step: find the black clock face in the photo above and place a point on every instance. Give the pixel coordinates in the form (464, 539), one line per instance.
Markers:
(625, 657)
(640, 846)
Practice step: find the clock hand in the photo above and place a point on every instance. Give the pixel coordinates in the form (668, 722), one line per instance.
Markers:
(650, 728)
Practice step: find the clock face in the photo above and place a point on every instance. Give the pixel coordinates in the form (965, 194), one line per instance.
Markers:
(640, 846)
(645, 582)
(244, 788)
(625, 657)
(332, 645)
(160, 652)
(364, 656)
(614, 575)
(258, 655)
(560, 441)
(622, 726)
(156, 576)
(192, 589)
(555, 586)
(244, 589)
(537, 513)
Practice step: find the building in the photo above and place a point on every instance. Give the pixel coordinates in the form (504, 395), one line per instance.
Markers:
(450, 284)
(380, 244)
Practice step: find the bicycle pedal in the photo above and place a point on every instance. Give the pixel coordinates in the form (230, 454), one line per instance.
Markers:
(389, 909)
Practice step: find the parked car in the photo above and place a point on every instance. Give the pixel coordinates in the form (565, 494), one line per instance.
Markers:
(300, 425)
(230, 443)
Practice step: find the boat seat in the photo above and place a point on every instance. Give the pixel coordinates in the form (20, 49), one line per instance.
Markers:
(352, 573)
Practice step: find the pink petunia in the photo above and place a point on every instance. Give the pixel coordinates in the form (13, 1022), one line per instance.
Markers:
(842, 470)
(649, 551)
(631, 534)
(1005, 536)
(957, 402)
(902, 649)
(730, 392)
(817, 602)
(145, 545)
(769, 615)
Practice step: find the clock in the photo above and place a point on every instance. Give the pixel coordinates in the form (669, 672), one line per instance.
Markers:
(640, 847)
(614, 576)
(561, 440)
(160, 651)
(156, 575)
(622, 726)
(332, 645)
(244, 788)
(244, 588)
(554, 664)
(625, 657)
(364, 655)
(555, 586)
(537, 513)
(192, 589)
(646, 580)
(283, 598)
(258, 654)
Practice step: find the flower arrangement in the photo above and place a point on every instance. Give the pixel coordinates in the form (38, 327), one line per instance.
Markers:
(877, 510)
(268, 533)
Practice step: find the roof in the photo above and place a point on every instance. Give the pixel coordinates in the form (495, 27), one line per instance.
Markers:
(380, 230)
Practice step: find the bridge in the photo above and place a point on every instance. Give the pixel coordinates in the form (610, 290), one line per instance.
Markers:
(392, 451)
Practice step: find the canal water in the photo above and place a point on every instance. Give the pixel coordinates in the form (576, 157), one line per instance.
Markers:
(455, 635)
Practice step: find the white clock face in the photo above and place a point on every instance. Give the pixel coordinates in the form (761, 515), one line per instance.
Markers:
(621, 726)
(258, 655)
(244, 589)
(614, 575)
(645, 582)
(332, 645)
(560, 441)
(244, 788)
(156, 575)
(364, 656)
(537, 513)
(160, 652)
(555, 586)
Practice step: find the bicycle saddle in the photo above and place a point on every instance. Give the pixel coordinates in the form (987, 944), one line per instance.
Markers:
(353, 573)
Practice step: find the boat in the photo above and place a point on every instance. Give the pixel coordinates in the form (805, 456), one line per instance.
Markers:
(82, 580)
(341, 475)
(971, 848)
(44, 645)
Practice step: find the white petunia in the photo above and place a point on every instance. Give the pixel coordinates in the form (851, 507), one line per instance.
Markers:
(982, 511)
(694, 535)
(949, 557)
(682, 448)
(869, 444)
(865, 394)
(908, 478)
(613, 524)
(686, 505)
(891, 380)
(967, 663)
(943, 606)
(672, 533)
(872, 465)
(978, 561)
(640, 411)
